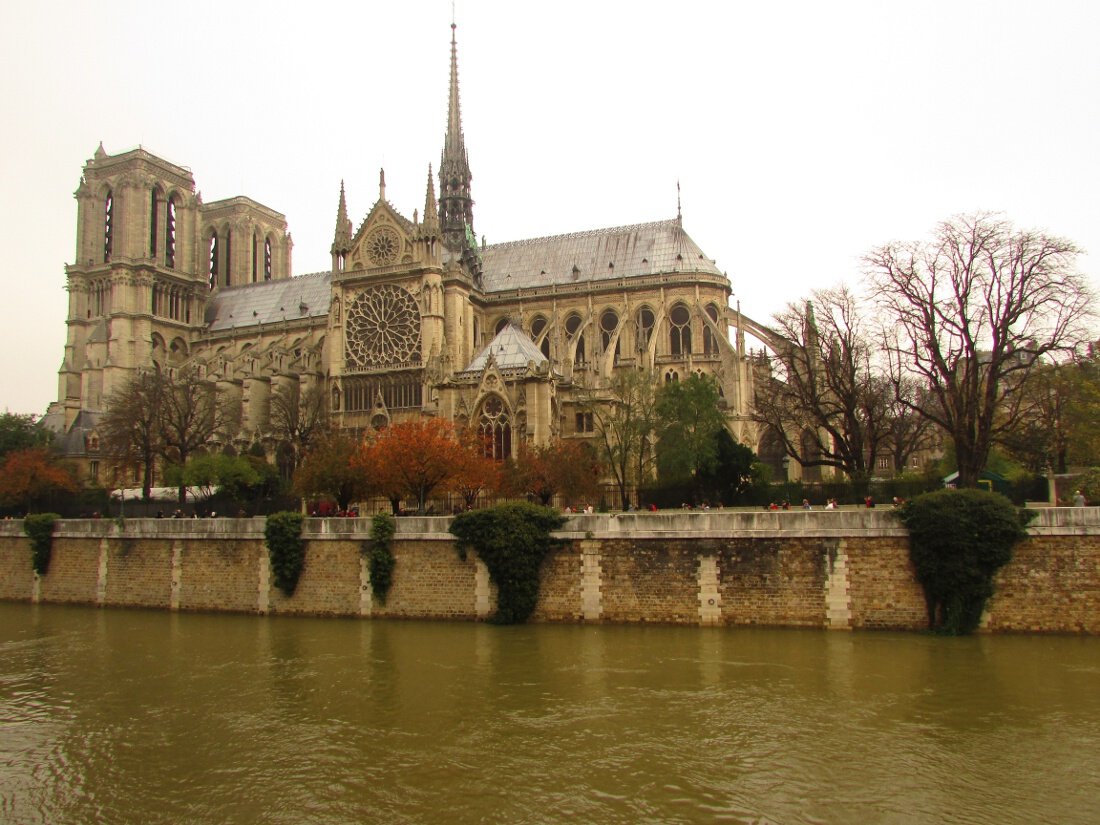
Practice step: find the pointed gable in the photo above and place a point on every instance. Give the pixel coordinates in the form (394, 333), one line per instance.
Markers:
(383, 239)
(511, 349)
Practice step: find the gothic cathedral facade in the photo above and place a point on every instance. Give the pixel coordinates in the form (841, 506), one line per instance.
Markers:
(414, 317)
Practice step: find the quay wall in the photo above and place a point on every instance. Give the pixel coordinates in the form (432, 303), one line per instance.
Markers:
(846, 569)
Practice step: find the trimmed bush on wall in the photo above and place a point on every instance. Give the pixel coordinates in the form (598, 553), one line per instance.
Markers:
(512, 540)
(286, 548)
(958, 539)
(39, 528)
(379, 553)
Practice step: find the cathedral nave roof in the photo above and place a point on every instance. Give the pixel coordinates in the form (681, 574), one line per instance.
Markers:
(595, 255)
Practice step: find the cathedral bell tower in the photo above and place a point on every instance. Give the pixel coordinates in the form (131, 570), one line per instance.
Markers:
(135, 291)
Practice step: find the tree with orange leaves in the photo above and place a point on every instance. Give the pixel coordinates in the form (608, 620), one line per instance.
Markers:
(29, 477)
(328, 470)
(564, 467)
(476, 471)
(412, 459)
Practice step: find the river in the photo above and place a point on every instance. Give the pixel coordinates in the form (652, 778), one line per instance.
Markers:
(127, 716)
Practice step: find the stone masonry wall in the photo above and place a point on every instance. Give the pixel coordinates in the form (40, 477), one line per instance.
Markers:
(1053, 582)
(430, 581)
(74, 572)
(139, 573)
(773, 582)
(650, 581)
(840, 570)
(883, 589)
(219, 574)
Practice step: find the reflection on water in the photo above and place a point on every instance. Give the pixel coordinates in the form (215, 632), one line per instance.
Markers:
(149, 717)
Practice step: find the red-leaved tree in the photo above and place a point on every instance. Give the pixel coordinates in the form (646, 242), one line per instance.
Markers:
(29, 477)
(411, 459)
(569, 469)
(476, 471)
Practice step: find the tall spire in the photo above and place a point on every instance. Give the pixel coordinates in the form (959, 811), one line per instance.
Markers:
(431, 212)
(341, 240)
(456, 207)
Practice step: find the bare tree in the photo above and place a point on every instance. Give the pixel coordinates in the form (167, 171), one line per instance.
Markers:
(827, 400)
(130, 429)
(971, 311)
(907, 432)
(298, 417)
(624, 418)
(189, 417)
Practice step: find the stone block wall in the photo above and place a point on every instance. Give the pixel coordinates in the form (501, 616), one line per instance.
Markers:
(140, 572)
(773, 582)
(16, 575)
(430, 581)
(560, 586)
(74, 572)
(329, 584)
(1052, 583)
(882, 586)
(220, 574)
(832, 570)
(649, 581)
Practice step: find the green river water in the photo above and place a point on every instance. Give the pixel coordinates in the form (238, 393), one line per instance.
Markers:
(125, 716)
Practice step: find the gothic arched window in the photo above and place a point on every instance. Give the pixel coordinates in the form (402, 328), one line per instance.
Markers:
(170, 233)
(215, 254)
(495, 429)
(609, 322)
(108, 225)
(645, 328)
(537, 327)
(154, 222)
(228, 254)
(572, 325)
(710, 343)
(267, 259)
(679, 334)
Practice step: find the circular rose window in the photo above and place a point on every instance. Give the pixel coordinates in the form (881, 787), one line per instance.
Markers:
(382, 328)
(382, 246)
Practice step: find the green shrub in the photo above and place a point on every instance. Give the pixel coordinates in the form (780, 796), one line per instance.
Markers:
(39, 528)
(379, 554)
(957, 540)
(512, 539)
(286, 548)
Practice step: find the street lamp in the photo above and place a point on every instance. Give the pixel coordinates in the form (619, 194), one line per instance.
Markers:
(787, 478)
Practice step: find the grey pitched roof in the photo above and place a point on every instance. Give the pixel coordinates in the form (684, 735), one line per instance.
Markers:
(290, 299)
(596, 255)
(72, 441)
(511, 349)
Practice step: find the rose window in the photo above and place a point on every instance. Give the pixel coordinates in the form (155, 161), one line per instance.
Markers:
(382, 246)
(382, 328)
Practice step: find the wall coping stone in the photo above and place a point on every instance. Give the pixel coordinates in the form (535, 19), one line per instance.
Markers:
(664, 524)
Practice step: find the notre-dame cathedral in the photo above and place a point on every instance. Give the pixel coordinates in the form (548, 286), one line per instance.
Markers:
(414, 318)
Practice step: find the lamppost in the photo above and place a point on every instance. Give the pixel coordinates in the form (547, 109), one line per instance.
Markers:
(787, 478)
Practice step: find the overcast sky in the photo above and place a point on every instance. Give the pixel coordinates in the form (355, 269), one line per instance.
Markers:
(802, 133)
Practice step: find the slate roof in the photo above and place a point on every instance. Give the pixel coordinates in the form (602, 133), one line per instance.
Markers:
(290, 299)
(596, 255)
(72, 441)
(511, 349)
(579, 257)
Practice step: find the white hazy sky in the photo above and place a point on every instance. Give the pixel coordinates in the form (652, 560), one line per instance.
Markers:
(802, 133)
